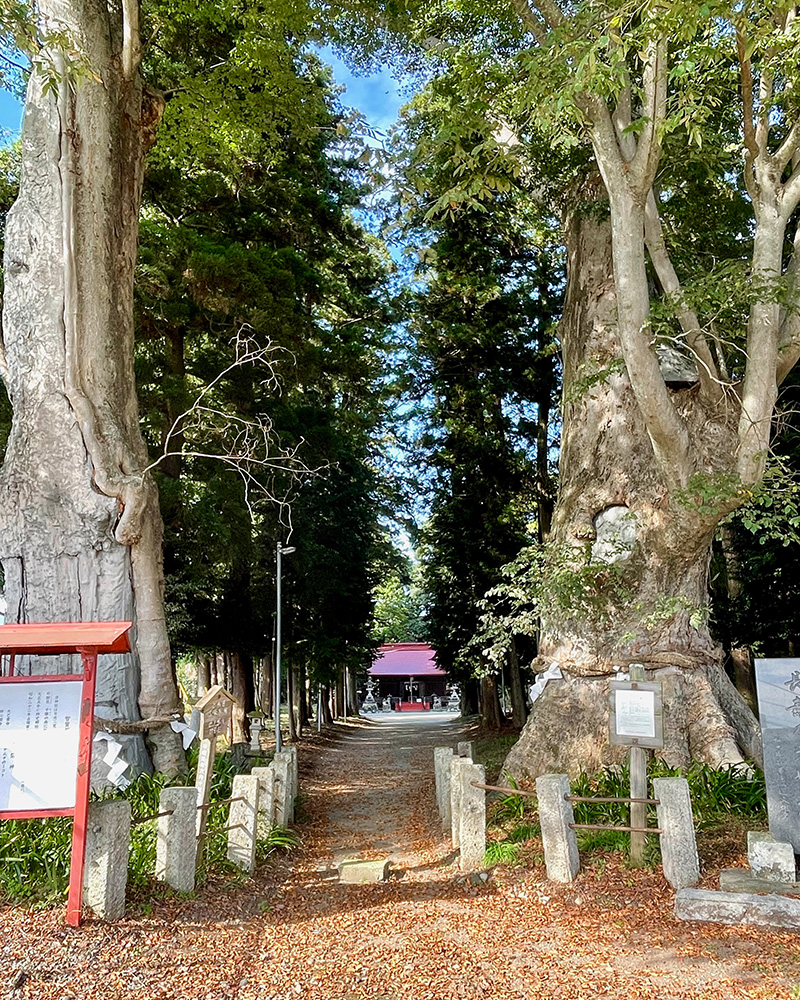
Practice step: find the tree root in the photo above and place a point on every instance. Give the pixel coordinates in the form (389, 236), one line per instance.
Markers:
(705, 719)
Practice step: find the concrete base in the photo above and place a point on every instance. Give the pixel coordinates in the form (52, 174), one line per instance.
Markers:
(770, 858)
(357, 872)
(780, 912)
(743, 880)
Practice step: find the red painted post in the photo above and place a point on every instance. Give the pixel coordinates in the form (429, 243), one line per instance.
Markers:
(81, 816)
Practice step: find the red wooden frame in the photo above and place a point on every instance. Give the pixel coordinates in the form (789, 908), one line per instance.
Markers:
(88, 639)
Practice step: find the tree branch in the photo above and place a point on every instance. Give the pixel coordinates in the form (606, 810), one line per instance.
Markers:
(789, 338)
(746, 76)
(648, 149)
(789, 146)
(654, 236)
(131, 43)
(530, 20)
(551, 12)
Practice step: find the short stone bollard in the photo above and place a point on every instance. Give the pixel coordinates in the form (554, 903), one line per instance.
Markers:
(770, 858)
(105, 875)
(243, 822)
(441, 770)
(678, 843)
(456, 788)
(465, 749)
(284, 803)
(266, 800)
(558, 838)
(472, 826)
(176, 845)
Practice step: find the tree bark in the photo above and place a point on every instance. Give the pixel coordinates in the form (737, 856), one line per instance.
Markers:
(80, 528)
(628, 555)
(519, 712)
(491, 715)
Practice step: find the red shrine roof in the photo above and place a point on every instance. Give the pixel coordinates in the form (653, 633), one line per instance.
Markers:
(406, 659)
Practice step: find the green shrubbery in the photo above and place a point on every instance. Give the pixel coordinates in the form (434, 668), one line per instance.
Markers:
(35, 854)
(717, 795)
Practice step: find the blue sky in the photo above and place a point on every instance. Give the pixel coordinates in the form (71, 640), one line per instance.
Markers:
(10, 113)
(377, 96)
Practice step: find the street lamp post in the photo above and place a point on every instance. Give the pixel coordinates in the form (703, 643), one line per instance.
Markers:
(282, 550)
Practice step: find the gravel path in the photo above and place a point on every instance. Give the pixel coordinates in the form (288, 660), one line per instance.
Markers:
(428, 933)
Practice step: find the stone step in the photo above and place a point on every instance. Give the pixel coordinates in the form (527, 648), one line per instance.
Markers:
(357, 871)
(743, 880)
(782, 912)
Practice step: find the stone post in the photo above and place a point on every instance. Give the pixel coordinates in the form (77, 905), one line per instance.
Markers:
(176, 844)
(295, 784)
(678, 843)
(441, 769)
(465, 748)
(243, 822)
(282, 773)
(472, 828)
(558, 837)
(266, 800)
(456, 788)
(205, 774)
(105, 875)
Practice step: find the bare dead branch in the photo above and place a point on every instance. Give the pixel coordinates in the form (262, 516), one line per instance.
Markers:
(246, 445)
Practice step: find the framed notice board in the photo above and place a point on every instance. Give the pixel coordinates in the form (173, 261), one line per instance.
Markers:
(46, 729)
(637, 717)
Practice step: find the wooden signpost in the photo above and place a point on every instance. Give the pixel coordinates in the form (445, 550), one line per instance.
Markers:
(211, 717)
(637, 722)
(46, 729)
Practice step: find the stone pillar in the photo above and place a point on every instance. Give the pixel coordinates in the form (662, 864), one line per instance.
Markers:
(243, 822)
(441, 769)
(266, 800)
(465, 749)
(472, 828)
(558, 837)
(678, 843)
(456, 787)
(292, 751)
(282, 772)
(176, 844)
(108, 841)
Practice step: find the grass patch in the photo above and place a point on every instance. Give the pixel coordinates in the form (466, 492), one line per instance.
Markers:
(491, 750)
(35, 854)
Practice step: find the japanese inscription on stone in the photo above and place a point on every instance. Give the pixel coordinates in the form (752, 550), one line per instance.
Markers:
(39, 734)
(778, 685)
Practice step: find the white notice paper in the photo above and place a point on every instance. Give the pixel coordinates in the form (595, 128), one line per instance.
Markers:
(635, 713)
(39, 734)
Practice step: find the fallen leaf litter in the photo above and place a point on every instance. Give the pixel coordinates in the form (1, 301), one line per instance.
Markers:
(427, 933)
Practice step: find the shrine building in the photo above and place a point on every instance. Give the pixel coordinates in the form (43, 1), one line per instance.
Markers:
(407, 673)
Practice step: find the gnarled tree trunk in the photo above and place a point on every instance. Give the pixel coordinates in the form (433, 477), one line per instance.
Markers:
(80, 527)
(629, 557)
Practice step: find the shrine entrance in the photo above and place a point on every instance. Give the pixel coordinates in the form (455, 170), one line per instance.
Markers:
(405, 678)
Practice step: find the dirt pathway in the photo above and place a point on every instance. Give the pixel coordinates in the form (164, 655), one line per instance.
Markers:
(426, 934)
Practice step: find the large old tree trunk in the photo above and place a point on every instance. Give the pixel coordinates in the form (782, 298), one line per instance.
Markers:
(629, 558)
(80, 529)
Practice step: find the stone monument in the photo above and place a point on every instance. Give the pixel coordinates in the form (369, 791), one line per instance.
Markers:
(778, 685)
